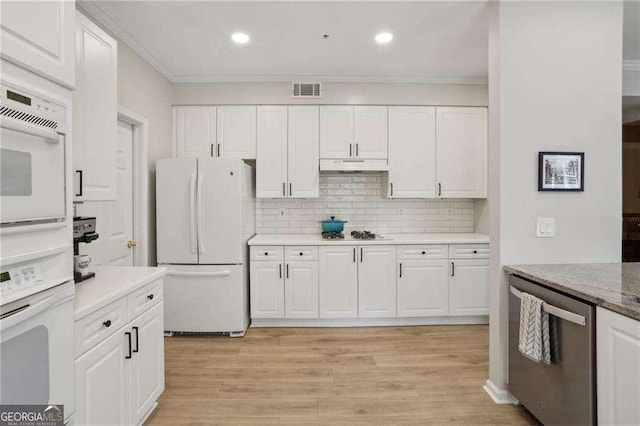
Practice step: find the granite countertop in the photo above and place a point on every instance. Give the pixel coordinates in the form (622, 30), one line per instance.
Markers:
(388, 239)
(615, 286)
(111, 283)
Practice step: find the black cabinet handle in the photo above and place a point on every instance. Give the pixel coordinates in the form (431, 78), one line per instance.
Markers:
(79, 194)
(439, 189)
(354, 255)
(400, 270)
(453, 269)
(150, 297)
(392, 189)
(280, 270)
(137, 340)
(361, 255)
(357, 149)
(284, 189)
(290, 190)
(350, 150)
(287, 270)
(129, 336)
(107, 323)
(218, 152)
(212, 150)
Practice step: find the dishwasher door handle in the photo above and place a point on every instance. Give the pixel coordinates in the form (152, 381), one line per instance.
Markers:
(554, 310)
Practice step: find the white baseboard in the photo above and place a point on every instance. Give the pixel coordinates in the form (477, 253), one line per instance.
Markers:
(499, 396)
(367, 322)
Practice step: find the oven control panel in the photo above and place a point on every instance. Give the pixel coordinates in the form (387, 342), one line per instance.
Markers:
(20, 277)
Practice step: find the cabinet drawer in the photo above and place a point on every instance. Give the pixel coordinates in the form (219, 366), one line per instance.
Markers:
(94, 328)
(145, 298)
(422, 252)
(469, 251)
(300, 253)
(267, 253)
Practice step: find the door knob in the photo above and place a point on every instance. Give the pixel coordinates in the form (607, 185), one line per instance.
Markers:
(131, 244)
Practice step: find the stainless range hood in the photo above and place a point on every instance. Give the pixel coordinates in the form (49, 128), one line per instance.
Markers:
(333, 165)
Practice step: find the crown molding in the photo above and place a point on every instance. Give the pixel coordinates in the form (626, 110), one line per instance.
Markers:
(103, 18)
(631, 65)
(328, 79)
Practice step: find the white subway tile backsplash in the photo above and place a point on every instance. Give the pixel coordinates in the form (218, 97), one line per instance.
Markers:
(357, 199)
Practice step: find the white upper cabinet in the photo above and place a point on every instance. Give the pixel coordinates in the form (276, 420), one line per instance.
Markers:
(370, 132)
(236, 132)
(271, 164)
(412, 152)
(377, 282)
(336, 131)
(304, 152)
(461, 152)
(287, 164)
(95, 113)
(40, 36)
(194, 131)
(353, 132)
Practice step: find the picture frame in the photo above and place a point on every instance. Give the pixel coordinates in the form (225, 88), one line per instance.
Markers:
(561, 171)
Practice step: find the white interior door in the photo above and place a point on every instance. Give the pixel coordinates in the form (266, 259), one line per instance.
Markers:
(114, 219)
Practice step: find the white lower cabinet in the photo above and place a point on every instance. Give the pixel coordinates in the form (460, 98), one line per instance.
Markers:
(469, 287)
(338, 288)
(120, 377)
(423, 288)
(377, 282)
(301, 289)
(267, 289)
(618, 368)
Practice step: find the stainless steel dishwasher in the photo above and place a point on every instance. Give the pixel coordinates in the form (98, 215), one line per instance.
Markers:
(563, 392)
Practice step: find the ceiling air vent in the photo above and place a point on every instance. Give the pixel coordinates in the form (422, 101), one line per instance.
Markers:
(307, 90)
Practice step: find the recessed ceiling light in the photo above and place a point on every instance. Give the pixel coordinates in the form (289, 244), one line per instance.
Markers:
(240, 38)
(383, 38)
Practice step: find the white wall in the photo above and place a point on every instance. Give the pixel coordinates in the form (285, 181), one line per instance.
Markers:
(555, 85)
(145, 91)
(333, 93)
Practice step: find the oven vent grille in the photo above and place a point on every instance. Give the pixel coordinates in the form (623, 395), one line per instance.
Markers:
(28, 118)
(306, 90)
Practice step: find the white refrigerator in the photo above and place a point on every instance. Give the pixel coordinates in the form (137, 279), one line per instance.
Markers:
(205, 214)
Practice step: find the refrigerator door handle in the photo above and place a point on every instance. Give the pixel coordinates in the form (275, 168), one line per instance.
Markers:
(201, 247)
(192, 214)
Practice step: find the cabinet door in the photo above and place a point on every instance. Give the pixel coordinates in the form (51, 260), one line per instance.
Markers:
(461, 146)
(336, 131)
(304, 151)
(370, 131)
(194, 131)
(236, 132)
(338, 289)
(267, 289)
(102, 383)
(412, 152)
(377, 282)
(618, 357)
(469, 287)
(423, 288)
(301, 289)
(271, 165)
(147, 362)
(39, 36)
(95, 113)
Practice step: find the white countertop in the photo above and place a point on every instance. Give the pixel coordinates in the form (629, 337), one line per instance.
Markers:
(389, 239)
(110, 284)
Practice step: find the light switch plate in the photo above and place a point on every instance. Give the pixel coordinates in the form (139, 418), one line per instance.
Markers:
(545, 227)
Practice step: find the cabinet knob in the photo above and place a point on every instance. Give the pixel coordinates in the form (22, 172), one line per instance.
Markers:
(475, 252)
(107, 323)
(424, 252)
(150, 297)
(266, 253)
(300, 253)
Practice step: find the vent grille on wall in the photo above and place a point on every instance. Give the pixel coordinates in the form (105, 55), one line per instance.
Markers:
(307, 90)
(29, 118)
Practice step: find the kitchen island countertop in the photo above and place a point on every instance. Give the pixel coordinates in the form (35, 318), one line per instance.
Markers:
(614, 286)
(388, 239)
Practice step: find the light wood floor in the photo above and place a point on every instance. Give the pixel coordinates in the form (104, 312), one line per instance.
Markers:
(332, 376)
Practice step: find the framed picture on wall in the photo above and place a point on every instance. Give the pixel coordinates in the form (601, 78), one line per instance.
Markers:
(561, 171)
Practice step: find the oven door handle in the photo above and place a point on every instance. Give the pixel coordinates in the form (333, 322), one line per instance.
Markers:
(28, 311)
(49, 135)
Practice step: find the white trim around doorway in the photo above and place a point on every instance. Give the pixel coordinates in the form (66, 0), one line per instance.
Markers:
(140, 183)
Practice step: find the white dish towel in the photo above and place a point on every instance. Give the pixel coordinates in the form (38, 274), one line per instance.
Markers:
(533, 341)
